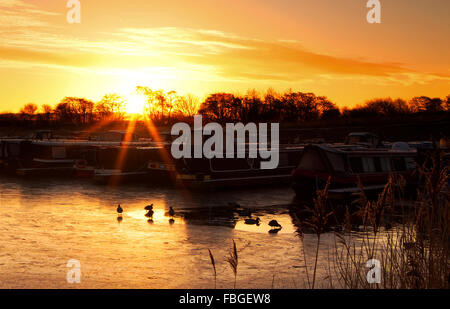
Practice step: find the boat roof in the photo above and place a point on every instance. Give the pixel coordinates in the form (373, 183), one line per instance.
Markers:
(62, 142)
(326, 147)
(359, 150)
(362, 134)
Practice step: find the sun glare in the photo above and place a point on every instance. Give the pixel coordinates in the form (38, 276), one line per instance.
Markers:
(135, 104)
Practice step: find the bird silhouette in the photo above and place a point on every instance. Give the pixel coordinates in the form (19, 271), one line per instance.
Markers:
(171, 221)
(276, 227)
(171, 212)
(252, 221)
(119, 209)
(149, 207)
(149, 214)
(274, 224)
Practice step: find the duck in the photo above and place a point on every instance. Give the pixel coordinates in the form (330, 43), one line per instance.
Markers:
(119, 209)
(252, 221)
(149, 207)
(171, 212)
(274, 224)
(149, 213)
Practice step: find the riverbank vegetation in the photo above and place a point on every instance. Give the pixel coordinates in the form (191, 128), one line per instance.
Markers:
(390, 242)
(409, 239)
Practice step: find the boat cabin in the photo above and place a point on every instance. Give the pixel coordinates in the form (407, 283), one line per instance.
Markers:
(42, 135)
(363, 138)
(346, 166)
(118, 136)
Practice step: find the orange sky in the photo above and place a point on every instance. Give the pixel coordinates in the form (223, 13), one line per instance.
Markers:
(202, 46)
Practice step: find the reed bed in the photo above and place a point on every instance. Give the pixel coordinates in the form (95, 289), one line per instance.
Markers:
(415, 253)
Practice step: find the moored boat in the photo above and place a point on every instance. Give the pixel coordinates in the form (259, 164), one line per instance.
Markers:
(346, 167)
(235, 172)
(122, 164)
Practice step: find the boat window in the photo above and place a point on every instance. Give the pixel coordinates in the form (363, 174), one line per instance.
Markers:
(356, 164)
(13, 150)
(385, 164)
(377, 163)
(312, 161)
(410, 163)
(352, 140)
(368, 165)
(58, 152)
(365, 139)
(337, 161)
(399, 164)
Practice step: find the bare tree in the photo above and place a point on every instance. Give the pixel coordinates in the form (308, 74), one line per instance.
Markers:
(188, 105)
(171, 101)
(154, 102)
(425, 104)
(111, 106)
(29, 109)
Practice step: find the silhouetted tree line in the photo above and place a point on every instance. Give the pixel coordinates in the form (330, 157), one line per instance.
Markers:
(162, 107)
(273, 106)
(73, 110)
(167, 107)
(298, 107)
(387, 107)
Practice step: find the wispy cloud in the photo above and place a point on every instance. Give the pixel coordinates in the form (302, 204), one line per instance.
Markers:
(227, 55)
(19, 14)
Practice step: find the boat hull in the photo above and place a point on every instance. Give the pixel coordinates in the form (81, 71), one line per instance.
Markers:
(119, 177)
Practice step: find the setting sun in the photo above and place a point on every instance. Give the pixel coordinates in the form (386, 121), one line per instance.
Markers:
(135, 104)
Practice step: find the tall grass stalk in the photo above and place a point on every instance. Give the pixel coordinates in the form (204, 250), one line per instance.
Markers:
(319, 221)
(233, 261)
(213, 263)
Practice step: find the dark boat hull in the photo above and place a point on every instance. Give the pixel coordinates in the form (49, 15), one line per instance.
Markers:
(218, 173)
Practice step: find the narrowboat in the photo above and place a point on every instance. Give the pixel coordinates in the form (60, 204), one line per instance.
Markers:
(111, 143)
(344, 167)
(15, 153)
(218, 173)
(44, 155)
(51, 158)
(37, 157)
(121, 164)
